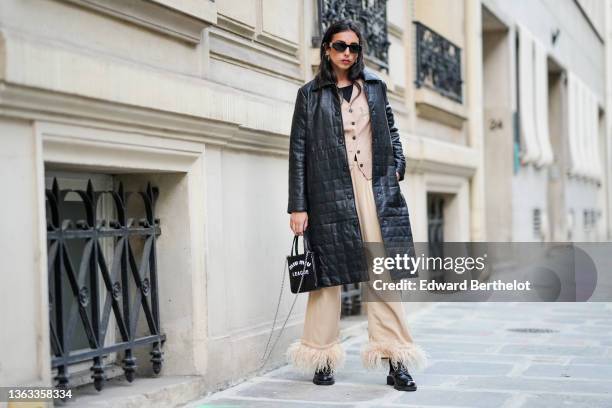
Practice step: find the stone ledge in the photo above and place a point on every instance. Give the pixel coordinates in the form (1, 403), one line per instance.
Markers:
(181, 20)
(160, 392)
(432, 106)
(47, 106)
(425, 154)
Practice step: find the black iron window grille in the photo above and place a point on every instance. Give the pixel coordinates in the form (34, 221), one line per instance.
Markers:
(438, 63)
(435, 232)
(371, 15)
(126, 286)
(351, 299)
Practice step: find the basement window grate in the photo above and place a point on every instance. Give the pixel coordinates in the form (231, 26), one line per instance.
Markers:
(85, 287)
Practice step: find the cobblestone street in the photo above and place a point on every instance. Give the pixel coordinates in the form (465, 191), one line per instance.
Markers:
(481, 355)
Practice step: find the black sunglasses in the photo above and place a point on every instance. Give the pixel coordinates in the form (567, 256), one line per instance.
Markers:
(340, 46)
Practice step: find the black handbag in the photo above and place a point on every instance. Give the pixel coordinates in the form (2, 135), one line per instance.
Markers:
(302, 278)
(302, 267)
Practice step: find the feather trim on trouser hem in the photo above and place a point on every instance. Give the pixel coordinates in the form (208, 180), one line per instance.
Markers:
(411, 355)
(309, 358)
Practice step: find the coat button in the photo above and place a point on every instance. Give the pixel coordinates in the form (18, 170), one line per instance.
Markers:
(340, 141)
(358, 151)
(336, 113)
(360, 164)
(352, 123)
(354, 137)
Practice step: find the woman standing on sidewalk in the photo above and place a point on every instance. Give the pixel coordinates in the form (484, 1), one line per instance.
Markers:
(345, 164)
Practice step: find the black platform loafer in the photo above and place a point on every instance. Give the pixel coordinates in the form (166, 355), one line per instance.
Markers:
(323, 377)
(400, 378)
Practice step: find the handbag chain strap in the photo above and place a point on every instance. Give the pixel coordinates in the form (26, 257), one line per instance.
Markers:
(264, 359)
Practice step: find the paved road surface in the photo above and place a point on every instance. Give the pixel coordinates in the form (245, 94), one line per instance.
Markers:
(481, 355)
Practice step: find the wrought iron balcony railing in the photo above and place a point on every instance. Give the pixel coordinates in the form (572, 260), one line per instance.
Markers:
(77, 264)
(438, 63)
(371, 15)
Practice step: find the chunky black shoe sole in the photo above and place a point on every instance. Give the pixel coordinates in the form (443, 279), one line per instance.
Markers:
(391, 381)
(329, 382)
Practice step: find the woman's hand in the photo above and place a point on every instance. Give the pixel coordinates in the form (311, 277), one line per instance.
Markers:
(397, 175)
(298, 222)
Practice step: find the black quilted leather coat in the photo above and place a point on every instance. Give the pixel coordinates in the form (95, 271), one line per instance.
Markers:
(320, 182)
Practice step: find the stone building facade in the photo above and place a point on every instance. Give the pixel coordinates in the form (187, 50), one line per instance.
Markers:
(195, 98)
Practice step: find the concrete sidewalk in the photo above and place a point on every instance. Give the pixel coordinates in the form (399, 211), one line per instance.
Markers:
(481, 355)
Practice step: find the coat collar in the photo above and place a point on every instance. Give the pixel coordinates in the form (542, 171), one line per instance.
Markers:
(368, 76)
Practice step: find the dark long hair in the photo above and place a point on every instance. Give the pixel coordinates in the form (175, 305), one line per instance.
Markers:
(326, 71)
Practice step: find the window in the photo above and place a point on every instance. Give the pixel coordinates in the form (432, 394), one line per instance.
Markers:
(438, 63)
(371, 15)
(102, 274)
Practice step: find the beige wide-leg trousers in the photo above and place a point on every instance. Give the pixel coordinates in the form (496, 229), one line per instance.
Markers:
(388, 333)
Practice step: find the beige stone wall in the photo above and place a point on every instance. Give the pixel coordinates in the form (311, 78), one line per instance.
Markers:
(24, 355)
(442, 156)
(445, 17)
(153, 82)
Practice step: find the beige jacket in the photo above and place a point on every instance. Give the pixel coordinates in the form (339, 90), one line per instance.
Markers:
(357, 131)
